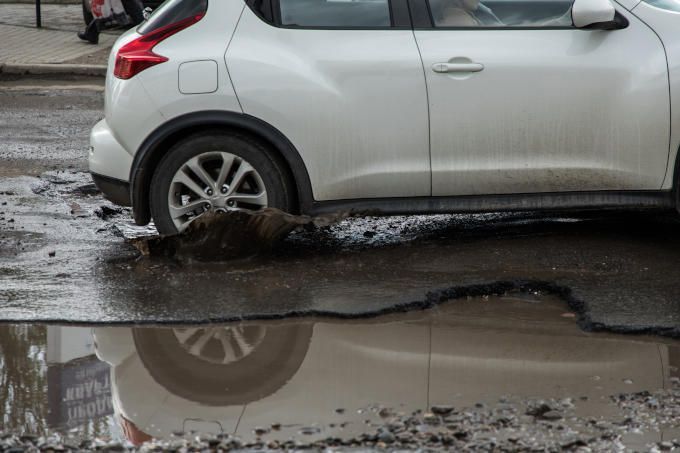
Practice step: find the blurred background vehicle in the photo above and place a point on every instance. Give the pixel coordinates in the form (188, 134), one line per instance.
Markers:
(87, 13)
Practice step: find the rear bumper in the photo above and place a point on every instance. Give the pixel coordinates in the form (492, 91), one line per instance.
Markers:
(110, 164)
(107, 156)
(114, 190)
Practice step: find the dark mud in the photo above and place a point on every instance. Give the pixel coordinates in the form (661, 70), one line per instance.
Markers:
(223, 237)
(230, 235)
(608, 270)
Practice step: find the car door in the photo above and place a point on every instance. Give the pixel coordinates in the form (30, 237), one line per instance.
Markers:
(343, 81)
(523, 102)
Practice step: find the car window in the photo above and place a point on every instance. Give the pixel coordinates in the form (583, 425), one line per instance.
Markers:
(501, 13)
(670, 5)
(335, 13)
(173, 11)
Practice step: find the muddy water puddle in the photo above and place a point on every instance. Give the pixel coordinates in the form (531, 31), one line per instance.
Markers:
(509, 372)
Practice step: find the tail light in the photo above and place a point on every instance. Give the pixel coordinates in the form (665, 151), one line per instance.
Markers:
(133, 434)
(138, 55)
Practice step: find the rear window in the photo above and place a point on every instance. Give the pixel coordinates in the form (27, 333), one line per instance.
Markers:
(172, 11)
(335, 13)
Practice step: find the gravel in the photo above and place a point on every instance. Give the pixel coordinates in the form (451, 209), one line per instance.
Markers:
(510, 425)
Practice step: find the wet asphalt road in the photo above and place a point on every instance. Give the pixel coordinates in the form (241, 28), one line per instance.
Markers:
(64, 256)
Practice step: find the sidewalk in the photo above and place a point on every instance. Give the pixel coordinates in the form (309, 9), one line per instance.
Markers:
(54, 49)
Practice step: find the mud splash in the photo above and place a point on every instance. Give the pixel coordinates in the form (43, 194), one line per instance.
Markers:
(231, 235)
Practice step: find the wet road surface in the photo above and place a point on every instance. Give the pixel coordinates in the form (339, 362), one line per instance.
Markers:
(66, 254)
(466, 332)
(511, 373)
(45, 129)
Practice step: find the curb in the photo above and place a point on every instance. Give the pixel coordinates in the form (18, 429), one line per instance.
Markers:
(53, 69)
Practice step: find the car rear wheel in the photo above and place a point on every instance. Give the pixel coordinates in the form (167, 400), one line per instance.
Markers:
(219, 173)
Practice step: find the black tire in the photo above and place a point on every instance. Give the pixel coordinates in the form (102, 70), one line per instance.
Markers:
(272, 171)
(87, 13)
(273, 363)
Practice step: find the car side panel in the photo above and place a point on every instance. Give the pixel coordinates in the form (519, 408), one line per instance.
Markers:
(204, 42)
(552, 111)
(352, 102)
(666, 25)
(138, 106)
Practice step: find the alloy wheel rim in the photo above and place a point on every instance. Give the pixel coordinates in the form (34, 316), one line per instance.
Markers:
(214, 181)
(220, 345)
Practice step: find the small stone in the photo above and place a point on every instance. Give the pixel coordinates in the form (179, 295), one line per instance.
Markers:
(538, 411)
(105, 212)
(54, 179)
(386, 437)
(77, 210)
(442, 410)
(431, 419)
(461, 435)
(551, 415)
(259, 431)
(385, 412)
(87, 189)
(40, 187)
(574, 445)
(567, 403)
(309, 430)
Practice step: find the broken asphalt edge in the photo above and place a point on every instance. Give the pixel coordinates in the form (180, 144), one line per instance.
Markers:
(431, 300)
(53, 69)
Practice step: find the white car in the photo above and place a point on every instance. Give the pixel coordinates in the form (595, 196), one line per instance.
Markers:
(392, 107)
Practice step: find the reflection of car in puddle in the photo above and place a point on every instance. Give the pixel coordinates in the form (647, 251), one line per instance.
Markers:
(222, 344)
(223, 365)
(233, 379)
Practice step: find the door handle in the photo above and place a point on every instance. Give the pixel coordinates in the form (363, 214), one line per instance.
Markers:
(444, 68)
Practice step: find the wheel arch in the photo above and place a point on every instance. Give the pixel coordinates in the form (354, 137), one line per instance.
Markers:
(156, 145)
